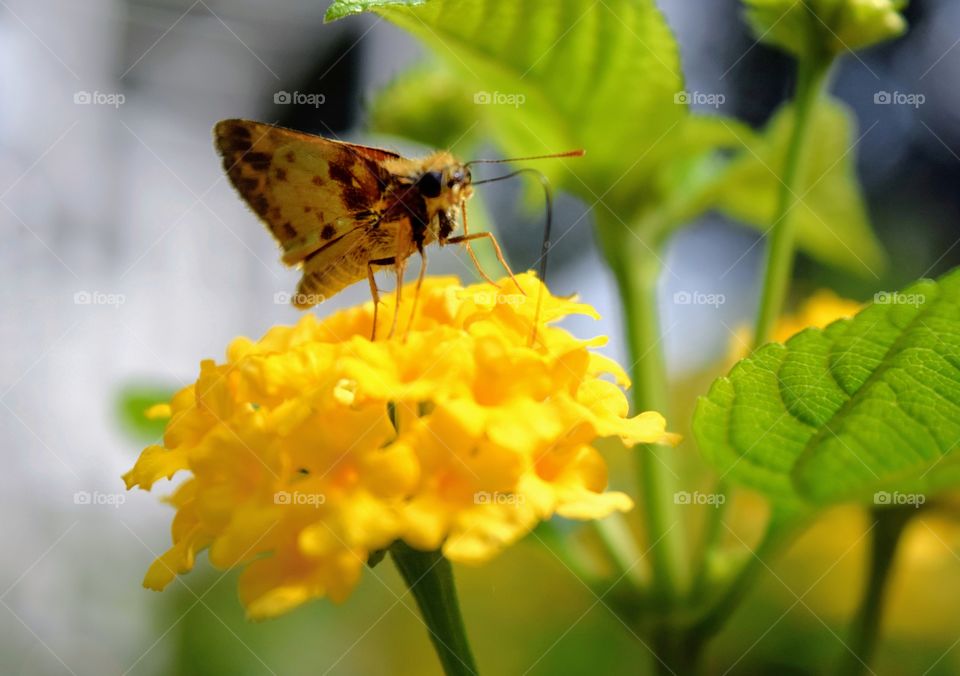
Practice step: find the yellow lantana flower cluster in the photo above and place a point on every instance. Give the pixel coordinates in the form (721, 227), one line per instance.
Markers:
(314, 448)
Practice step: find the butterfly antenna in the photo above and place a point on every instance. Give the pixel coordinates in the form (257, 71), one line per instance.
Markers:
(580, 152)
(547, 227)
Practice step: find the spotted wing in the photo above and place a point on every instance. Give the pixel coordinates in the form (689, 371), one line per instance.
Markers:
(310, 191)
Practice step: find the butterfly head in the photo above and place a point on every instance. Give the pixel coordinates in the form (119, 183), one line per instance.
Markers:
(445, 183)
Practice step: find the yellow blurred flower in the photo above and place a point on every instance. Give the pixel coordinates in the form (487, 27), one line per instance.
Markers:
(313, 448)
(823, 307)
(820, 309)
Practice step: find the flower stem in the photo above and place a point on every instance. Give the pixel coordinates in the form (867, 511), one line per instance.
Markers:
(429, 577)
(865, 628)
(638, 273)
(811, 77)
(778, 533)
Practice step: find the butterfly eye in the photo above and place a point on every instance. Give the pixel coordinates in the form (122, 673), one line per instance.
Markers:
(430, 183)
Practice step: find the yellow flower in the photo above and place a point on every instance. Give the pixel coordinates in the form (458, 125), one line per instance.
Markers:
(313, 448)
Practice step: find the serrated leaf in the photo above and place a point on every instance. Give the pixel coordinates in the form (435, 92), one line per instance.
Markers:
(831, 218)
(606, 77)
(552, 76)
(868, 404)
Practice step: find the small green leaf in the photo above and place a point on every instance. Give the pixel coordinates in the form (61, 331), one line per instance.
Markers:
(831, 215)
(813, 28)
(868, 404)
(341, 8)
(133, 400)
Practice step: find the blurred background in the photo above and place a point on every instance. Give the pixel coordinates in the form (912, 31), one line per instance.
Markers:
(127, 257)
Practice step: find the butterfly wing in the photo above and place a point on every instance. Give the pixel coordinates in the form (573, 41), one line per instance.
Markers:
(319, 198)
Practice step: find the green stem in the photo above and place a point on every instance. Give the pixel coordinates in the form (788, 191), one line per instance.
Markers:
(621, 549)
(429, 577)
(637, 272)
(811, 77)
(778, 532)
(865, 628)
(712, 533)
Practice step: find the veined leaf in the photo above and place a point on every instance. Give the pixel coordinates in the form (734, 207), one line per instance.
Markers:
(868, 404)
(553, 76)
(605, 76)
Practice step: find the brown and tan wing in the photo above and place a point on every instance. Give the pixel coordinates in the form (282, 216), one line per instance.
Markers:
(310, 191)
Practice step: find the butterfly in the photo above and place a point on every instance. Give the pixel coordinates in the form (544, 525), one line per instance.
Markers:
(341, 210)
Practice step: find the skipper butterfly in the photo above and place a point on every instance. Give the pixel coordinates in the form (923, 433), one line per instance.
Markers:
(341, 210)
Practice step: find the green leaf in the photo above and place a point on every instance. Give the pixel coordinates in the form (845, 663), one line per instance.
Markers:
(132, 402)
(430, 105)
(812, 28)
(553, 76)
(831, 216)
(606, 77)
(868, 404)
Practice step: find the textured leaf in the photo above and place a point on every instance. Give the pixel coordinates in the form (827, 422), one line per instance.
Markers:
(868, 404)
(606, 77)
(552, 76)
(832, 221)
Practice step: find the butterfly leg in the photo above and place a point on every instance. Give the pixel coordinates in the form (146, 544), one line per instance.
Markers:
(400, 265)
(496, 247)
(375, 292)
(416, 293)
(473, 256)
